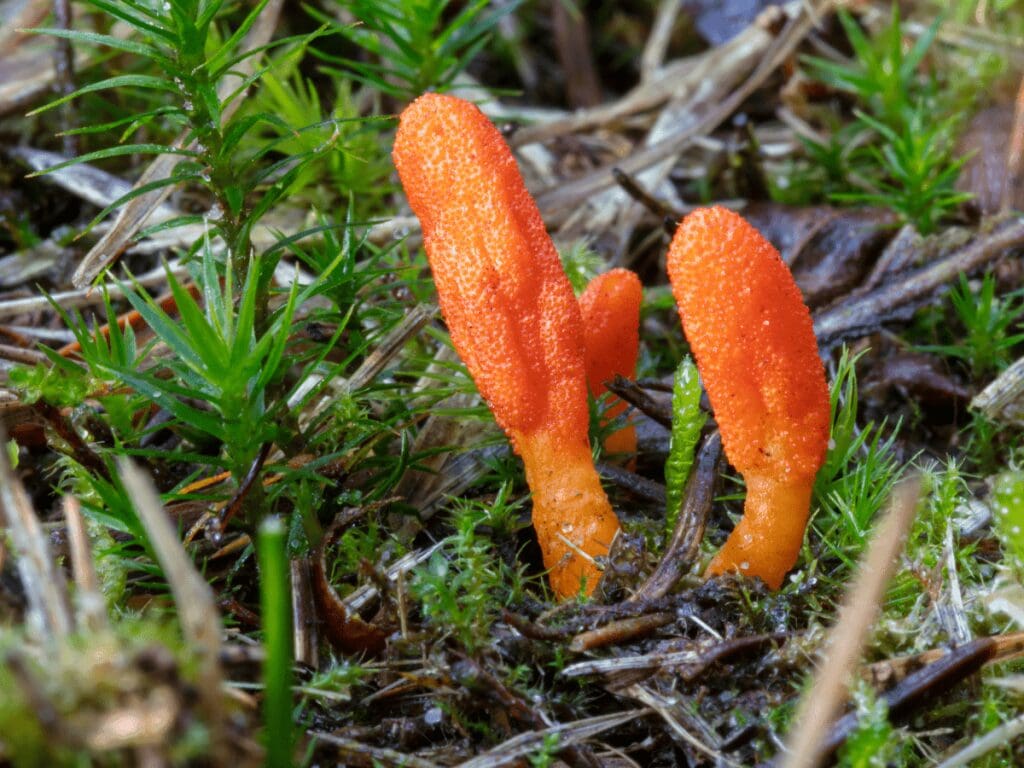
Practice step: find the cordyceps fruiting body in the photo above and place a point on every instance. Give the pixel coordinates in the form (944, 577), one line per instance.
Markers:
(610, 305)
(753, 340)
(513, 319)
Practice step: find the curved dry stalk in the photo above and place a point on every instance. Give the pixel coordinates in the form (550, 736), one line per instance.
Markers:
(45, 588)
(847, 638)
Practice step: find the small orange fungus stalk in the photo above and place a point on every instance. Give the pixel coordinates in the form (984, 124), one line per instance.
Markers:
(513, 319)
(754, 343)
(611, 331)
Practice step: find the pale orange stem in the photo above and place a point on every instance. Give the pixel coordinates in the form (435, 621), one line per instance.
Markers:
(767, 540)
(575, 523)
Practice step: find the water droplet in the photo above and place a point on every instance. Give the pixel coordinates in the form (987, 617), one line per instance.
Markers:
(433, 716)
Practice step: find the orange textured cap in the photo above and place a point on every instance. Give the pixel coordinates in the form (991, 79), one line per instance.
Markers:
(509, 307)
(611, 327)
(611, 332)
(753, 339)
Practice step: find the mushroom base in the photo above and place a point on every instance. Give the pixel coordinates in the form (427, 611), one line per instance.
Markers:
(572, 516)
(767, 540)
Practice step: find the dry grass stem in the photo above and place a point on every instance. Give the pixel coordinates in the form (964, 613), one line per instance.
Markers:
(847, 639)
(45, 588)
(998, 737)
(91, 608)
(197, 609)
(513, 751)
(1001, 399)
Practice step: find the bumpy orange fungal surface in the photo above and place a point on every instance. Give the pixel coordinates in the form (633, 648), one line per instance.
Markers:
(513, 319)
(610, 305)
(754, 343)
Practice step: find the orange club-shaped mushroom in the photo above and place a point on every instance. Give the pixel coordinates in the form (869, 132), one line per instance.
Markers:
(513, 319)
(753, 340)
(610, 305)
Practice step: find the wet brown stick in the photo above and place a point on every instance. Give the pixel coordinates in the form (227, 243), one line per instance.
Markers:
(557, 624)
(344, 628)
(247, 485)
(305, 638)
(80, 450)
(921, 687)
(632, 482)
(642, 195)
(686, 537)
(620, 631)
(863, 313)
(478, 680)
(532, 630)
(887, 673)
(637, 397)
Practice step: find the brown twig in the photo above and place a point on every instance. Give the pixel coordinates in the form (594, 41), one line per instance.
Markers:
(303, 614)
(640, 194)
(620, 631)
(886, 673)
(632, 482)
(80, 450)
(474, 677)
(516, 749)
(684, 546)
(637, 396)
(357, 753)
(860, 314)
(687, 665)
(344, 627)
(247, 485)
(921, 687)
(21, 355)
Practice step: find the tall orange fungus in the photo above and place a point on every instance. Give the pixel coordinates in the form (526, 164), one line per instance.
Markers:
(754, 343)
(513, 319)
(610, 305)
